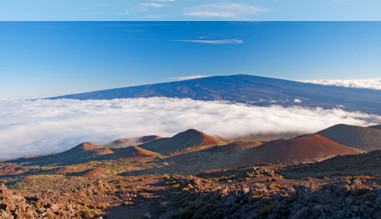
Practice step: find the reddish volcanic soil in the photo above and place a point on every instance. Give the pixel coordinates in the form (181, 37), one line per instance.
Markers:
(93, 148)
(234, 146)
(308, 148)
(11, 169)
(87, 146)
(190, 140)
(96, 173)
(134, 151)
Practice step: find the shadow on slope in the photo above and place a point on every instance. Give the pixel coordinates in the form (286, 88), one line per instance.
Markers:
(376, 127)
(195, 162)
(363, 138)
(359, 164)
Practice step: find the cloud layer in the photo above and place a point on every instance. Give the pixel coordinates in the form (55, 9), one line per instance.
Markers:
(47, 126)
(370, 84)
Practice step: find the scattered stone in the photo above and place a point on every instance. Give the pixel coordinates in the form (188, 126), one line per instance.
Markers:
(147, 216)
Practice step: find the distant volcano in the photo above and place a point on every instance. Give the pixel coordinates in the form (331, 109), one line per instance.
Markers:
(249, 89)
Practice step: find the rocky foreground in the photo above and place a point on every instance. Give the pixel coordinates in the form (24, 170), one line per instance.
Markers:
(250, 192)
(86, 201)
(194, 175)
(275, 197)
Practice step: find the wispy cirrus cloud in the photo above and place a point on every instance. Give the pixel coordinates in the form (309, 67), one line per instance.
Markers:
(152, 4)
(224, 10)
(214, 42)
(157, 3)
(189, 77)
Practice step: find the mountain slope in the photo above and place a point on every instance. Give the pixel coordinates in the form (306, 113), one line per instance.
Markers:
(376, 127)
(250, 89)
(188, 140)
(133, 152)
(307, 148)
(233, 146)
(215, 157)
(363, 138)
(86, 152)
(365, 163)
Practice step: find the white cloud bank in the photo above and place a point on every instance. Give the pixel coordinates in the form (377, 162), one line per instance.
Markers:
(370, 84)
(47, 126)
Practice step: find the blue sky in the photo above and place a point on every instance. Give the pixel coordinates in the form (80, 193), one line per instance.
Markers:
(258, 10)
(39, 59)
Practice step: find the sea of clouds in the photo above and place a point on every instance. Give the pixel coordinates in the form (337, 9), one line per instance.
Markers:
(370, 84)
(47, 126)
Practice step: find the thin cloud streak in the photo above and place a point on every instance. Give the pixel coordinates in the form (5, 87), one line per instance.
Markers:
(214, 42)
(152, 4)
(225, 10)
(48, 126)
